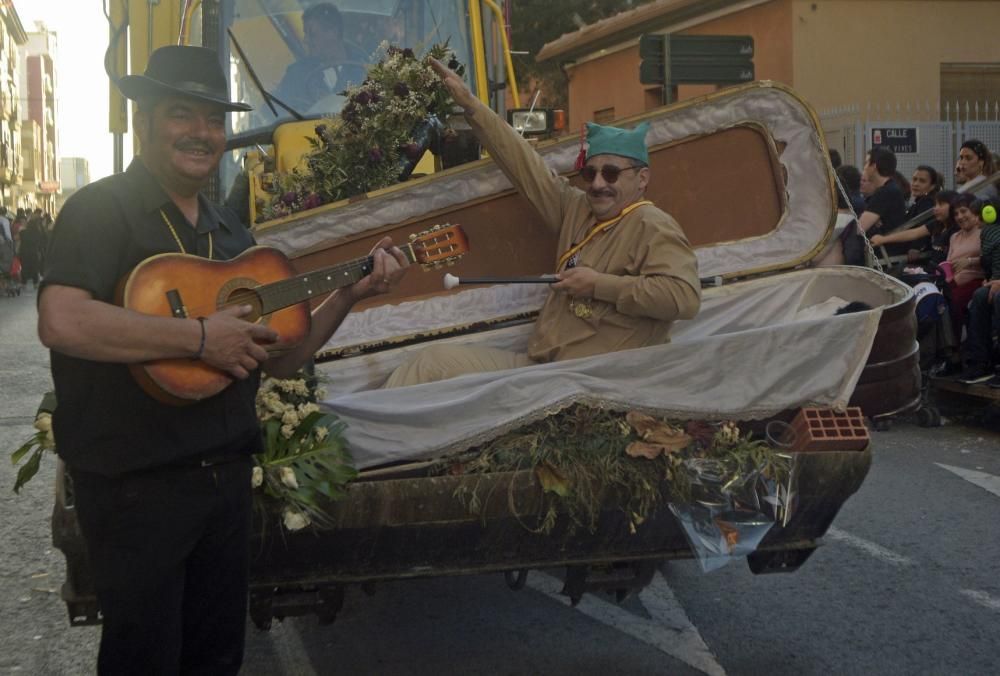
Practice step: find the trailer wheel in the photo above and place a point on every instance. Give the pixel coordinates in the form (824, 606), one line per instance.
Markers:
(929, 416)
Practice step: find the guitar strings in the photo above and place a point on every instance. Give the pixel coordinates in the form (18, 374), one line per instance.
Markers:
(274, 291)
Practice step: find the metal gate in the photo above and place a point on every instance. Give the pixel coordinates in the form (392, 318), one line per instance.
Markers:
(938, 132)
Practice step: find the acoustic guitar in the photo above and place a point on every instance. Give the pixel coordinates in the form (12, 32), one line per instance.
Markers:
(182, 285)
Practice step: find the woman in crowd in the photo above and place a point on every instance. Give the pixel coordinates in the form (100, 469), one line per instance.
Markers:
(924, 187)
(964, 257)
(925, 183)
(975, 165)
(31, 250)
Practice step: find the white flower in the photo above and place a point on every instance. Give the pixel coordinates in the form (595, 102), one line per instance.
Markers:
(290, 417)
(321, 432)
(295, 520)
(257, 478)
(306, 409)
(288, 478)
(287, 431)
(50, 441)
(43, 423)
(730, 433)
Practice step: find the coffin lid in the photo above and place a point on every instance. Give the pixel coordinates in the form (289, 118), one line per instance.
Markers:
(745, 171)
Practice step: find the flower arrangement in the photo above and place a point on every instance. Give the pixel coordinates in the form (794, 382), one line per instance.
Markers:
(34, 448)
(383, 129)
(305, 462)
(581, 454)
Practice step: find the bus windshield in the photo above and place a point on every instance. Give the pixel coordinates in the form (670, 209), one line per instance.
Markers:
(305, 53)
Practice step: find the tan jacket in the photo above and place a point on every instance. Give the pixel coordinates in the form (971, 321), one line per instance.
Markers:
(650, 274)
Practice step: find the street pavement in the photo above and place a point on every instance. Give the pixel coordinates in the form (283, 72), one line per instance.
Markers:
(905, 583)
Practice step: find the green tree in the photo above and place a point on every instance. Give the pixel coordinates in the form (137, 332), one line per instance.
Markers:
(536, 22)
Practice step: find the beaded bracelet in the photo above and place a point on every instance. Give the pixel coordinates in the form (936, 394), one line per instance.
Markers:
(201, 346)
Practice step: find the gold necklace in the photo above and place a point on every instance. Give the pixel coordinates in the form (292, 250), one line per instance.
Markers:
(177, 239)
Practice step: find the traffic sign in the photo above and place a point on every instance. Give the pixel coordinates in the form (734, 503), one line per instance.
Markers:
(695, 59)
(707, 72)
(715, 47)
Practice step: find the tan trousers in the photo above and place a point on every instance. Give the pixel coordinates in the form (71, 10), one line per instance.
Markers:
(439, 362)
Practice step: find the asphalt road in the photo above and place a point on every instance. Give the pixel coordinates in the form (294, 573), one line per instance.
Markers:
(906, 583)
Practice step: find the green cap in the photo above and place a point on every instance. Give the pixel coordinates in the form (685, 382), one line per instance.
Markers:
(629, 143)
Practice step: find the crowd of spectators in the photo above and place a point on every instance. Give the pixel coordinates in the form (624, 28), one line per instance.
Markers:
(24, 236)
(952, 236)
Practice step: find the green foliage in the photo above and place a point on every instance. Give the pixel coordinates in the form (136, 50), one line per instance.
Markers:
(583, 455)
(305, 463)
(37, 445)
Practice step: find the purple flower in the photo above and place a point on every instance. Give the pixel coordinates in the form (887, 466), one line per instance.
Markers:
(321, 130)
(408, 53)
(289, 197)
(453, 63)
(312, 201)
(376, 97)
(413, 151)
(375, 155)
(362, 98)
(400, 89)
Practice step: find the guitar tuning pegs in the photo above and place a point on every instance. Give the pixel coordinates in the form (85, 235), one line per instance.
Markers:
(437, 226)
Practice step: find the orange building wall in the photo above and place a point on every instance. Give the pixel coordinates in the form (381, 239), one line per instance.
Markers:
(612, 81)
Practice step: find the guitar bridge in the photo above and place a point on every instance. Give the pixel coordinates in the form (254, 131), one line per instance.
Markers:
(177, 308)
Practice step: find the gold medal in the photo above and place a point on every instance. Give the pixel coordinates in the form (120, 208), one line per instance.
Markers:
(581, 309)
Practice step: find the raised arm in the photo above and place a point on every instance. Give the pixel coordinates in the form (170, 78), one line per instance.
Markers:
(546, 191)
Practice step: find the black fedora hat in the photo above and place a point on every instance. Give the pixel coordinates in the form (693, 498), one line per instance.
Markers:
(181, 71)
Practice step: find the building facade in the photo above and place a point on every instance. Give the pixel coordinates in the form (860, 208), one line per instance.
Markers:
(12, 40)
(832, 52)
(38, 79)
(74, 173)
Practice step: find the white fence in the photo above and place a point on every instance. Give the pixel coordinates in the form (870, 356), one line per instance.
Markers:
(918, 133)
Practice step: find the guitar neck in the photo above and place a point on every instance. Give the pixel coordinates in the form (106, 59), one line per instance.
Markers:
(317, 283)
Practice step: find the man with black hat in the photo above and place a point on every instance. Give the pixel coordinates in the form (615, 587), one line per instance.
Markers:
(626, 270)
(163, 492)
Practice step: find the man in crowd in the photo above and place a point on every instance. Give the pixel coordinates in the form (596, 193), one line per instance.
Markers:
(885, 207)
(329, 68)
(626, 270)
(163, 492)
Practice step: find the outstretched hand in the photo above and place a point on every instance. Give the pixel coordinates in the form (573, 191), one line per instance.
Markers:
(455, 84)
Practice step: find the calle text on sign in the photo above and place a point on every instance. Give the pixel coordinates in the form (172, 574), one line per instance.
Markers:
(897, 139)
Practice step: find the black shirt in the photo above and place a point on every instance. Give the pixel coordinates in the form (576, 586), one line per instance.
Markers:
(104, 422)
(920, 206)
(890, 205)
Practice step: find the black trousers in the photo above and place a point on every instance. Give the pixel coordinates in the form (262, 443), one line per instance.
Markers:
(984, 328)
(170, 554)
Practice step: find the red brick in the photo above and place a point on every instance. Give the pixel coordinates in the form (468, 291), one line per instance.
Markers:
(823, 429)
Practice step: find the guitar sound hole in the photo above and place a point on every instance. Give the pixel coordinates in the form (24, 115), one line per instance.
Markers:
(247, 297)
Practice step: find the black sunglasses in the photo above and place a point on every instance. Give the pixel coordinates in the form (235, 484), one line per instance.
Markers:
(609, 172)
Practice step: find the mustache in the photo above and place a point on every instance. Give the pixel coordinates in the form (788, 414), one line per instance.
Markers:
(600, 193)
(187, 145)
